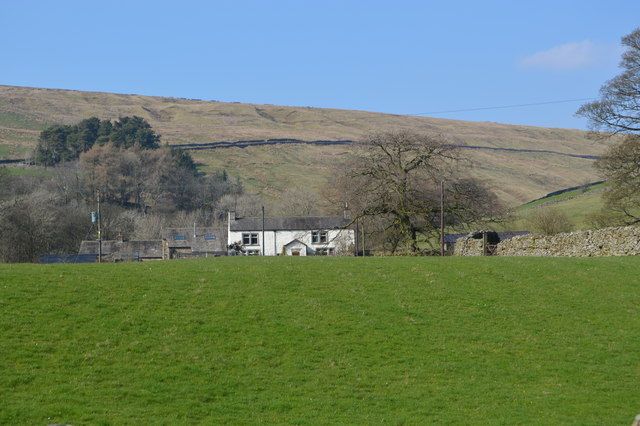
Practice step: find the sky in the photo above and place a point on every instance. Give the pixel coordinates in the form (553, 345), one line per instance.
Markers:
(401, 57)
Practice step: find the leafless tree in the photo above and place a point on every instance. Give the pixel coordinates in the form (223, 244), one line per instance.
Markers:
(618, 112)
(39, 223)
(618, 109)
(621, 167)
(394, 177)
(298, 202)
(247, 205)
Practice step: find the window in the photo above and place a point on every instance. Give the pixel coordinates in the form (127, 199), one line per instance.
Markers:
(329, 251)
(319, 237)
(253, 252)
(250, 239)
(209, 236)
(179, 237)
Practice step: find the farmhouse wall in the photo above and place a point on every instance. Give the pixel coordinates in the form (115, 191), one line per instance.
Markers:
(339, 239)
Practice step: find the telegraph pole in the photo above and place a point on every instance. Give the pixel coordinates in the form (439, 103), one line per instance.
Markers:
(263, 231)
(441, 218)
(99, 231)
(364, 251)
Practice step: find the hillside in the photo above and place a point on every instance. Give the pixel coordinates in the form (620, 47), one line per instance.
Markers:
(322, 341)
(577, 204)
(516, 176)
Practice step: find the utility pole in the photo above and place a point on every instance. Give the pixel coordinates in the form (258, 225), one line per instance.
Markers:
(364, 251)
(441, 218)
(263, 231)
(357, 238)
(99, 231)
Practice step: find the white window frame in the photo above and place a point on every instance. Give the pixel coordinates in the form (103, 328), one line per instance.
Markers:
(250, 237)
(320, 236)
(325, 251)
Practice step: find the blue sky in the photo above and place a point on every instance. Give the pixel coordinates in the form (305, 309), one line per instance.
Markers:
(405, 57)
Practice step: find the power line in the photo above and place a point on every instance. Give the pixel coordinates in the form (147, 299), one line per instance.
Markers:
(505, 106)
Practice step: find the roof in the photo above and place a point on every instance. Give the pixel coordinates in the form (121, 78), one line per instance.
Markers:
(295, 241)
(208, 239)
(289, 223)
(506, 235)
(128, 249)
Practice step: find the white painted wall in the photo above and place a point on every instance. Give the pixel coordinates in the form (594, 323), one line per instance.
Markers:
(341, 240)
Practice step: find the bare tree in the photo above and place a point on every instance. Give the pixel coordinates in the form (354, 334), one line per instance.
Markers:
(618, 109)
(618, 112)
(298, 202)
(621, 167)
(38, 223)
(243, 204)
(394, 177)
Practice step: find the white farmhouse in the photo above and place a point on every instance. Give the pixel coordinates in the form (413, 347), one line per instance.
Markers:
(292, 236)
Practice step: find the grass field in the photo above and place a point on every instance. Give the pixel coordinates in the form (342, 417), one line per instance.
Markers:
(26, 171)
(322, 340)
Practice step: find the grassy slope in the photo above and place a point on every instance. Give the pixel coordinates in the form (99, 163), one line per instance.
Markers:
(516, 177)
(577, 205)
(330, 340)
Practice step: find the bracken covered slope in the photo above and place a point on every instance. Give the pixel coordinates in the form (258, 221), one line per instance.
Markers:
(515, 176)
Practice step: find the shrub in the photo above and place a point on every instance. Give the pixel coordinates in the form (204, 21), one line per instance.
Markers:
(549, 221)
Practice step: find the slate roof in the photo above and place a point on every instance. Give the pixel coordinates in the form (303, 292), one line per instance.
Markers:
(124, 249)
(206, 240)
(288, 223)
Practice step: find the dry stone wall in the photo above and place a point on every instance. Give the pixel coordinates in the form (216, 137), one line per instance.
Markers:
(468, 246)
(622, 241)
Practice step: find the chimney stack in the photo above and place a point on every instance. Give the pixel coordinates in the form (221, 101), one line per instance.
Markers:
(345, 213)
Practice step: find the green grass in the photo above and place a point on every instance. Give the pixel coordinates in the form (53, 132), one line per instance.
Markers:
(567, 196)
(322, 340)
(20, 121)
(577, 205)
(27, 171)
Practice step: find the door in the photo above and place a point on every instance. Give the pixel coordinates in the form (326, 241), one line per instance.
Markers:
(295, 252)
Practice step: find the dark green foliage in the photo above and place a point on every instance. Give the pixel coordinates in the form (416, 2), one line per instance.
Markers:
(65, 143)
(53, 146)
(183, 160)
(128, 132)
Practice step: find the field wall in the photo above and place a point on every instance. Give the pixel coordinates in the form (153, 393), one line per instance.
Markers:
(620, 241)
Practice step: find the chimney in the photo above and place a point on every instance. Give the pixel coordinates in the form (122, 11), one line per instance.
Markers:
(346, 213)
(231, 217)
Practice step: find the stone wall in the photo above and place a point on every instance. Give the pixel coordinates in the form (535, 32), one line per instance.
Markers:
(623, 241)
(467, 246)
